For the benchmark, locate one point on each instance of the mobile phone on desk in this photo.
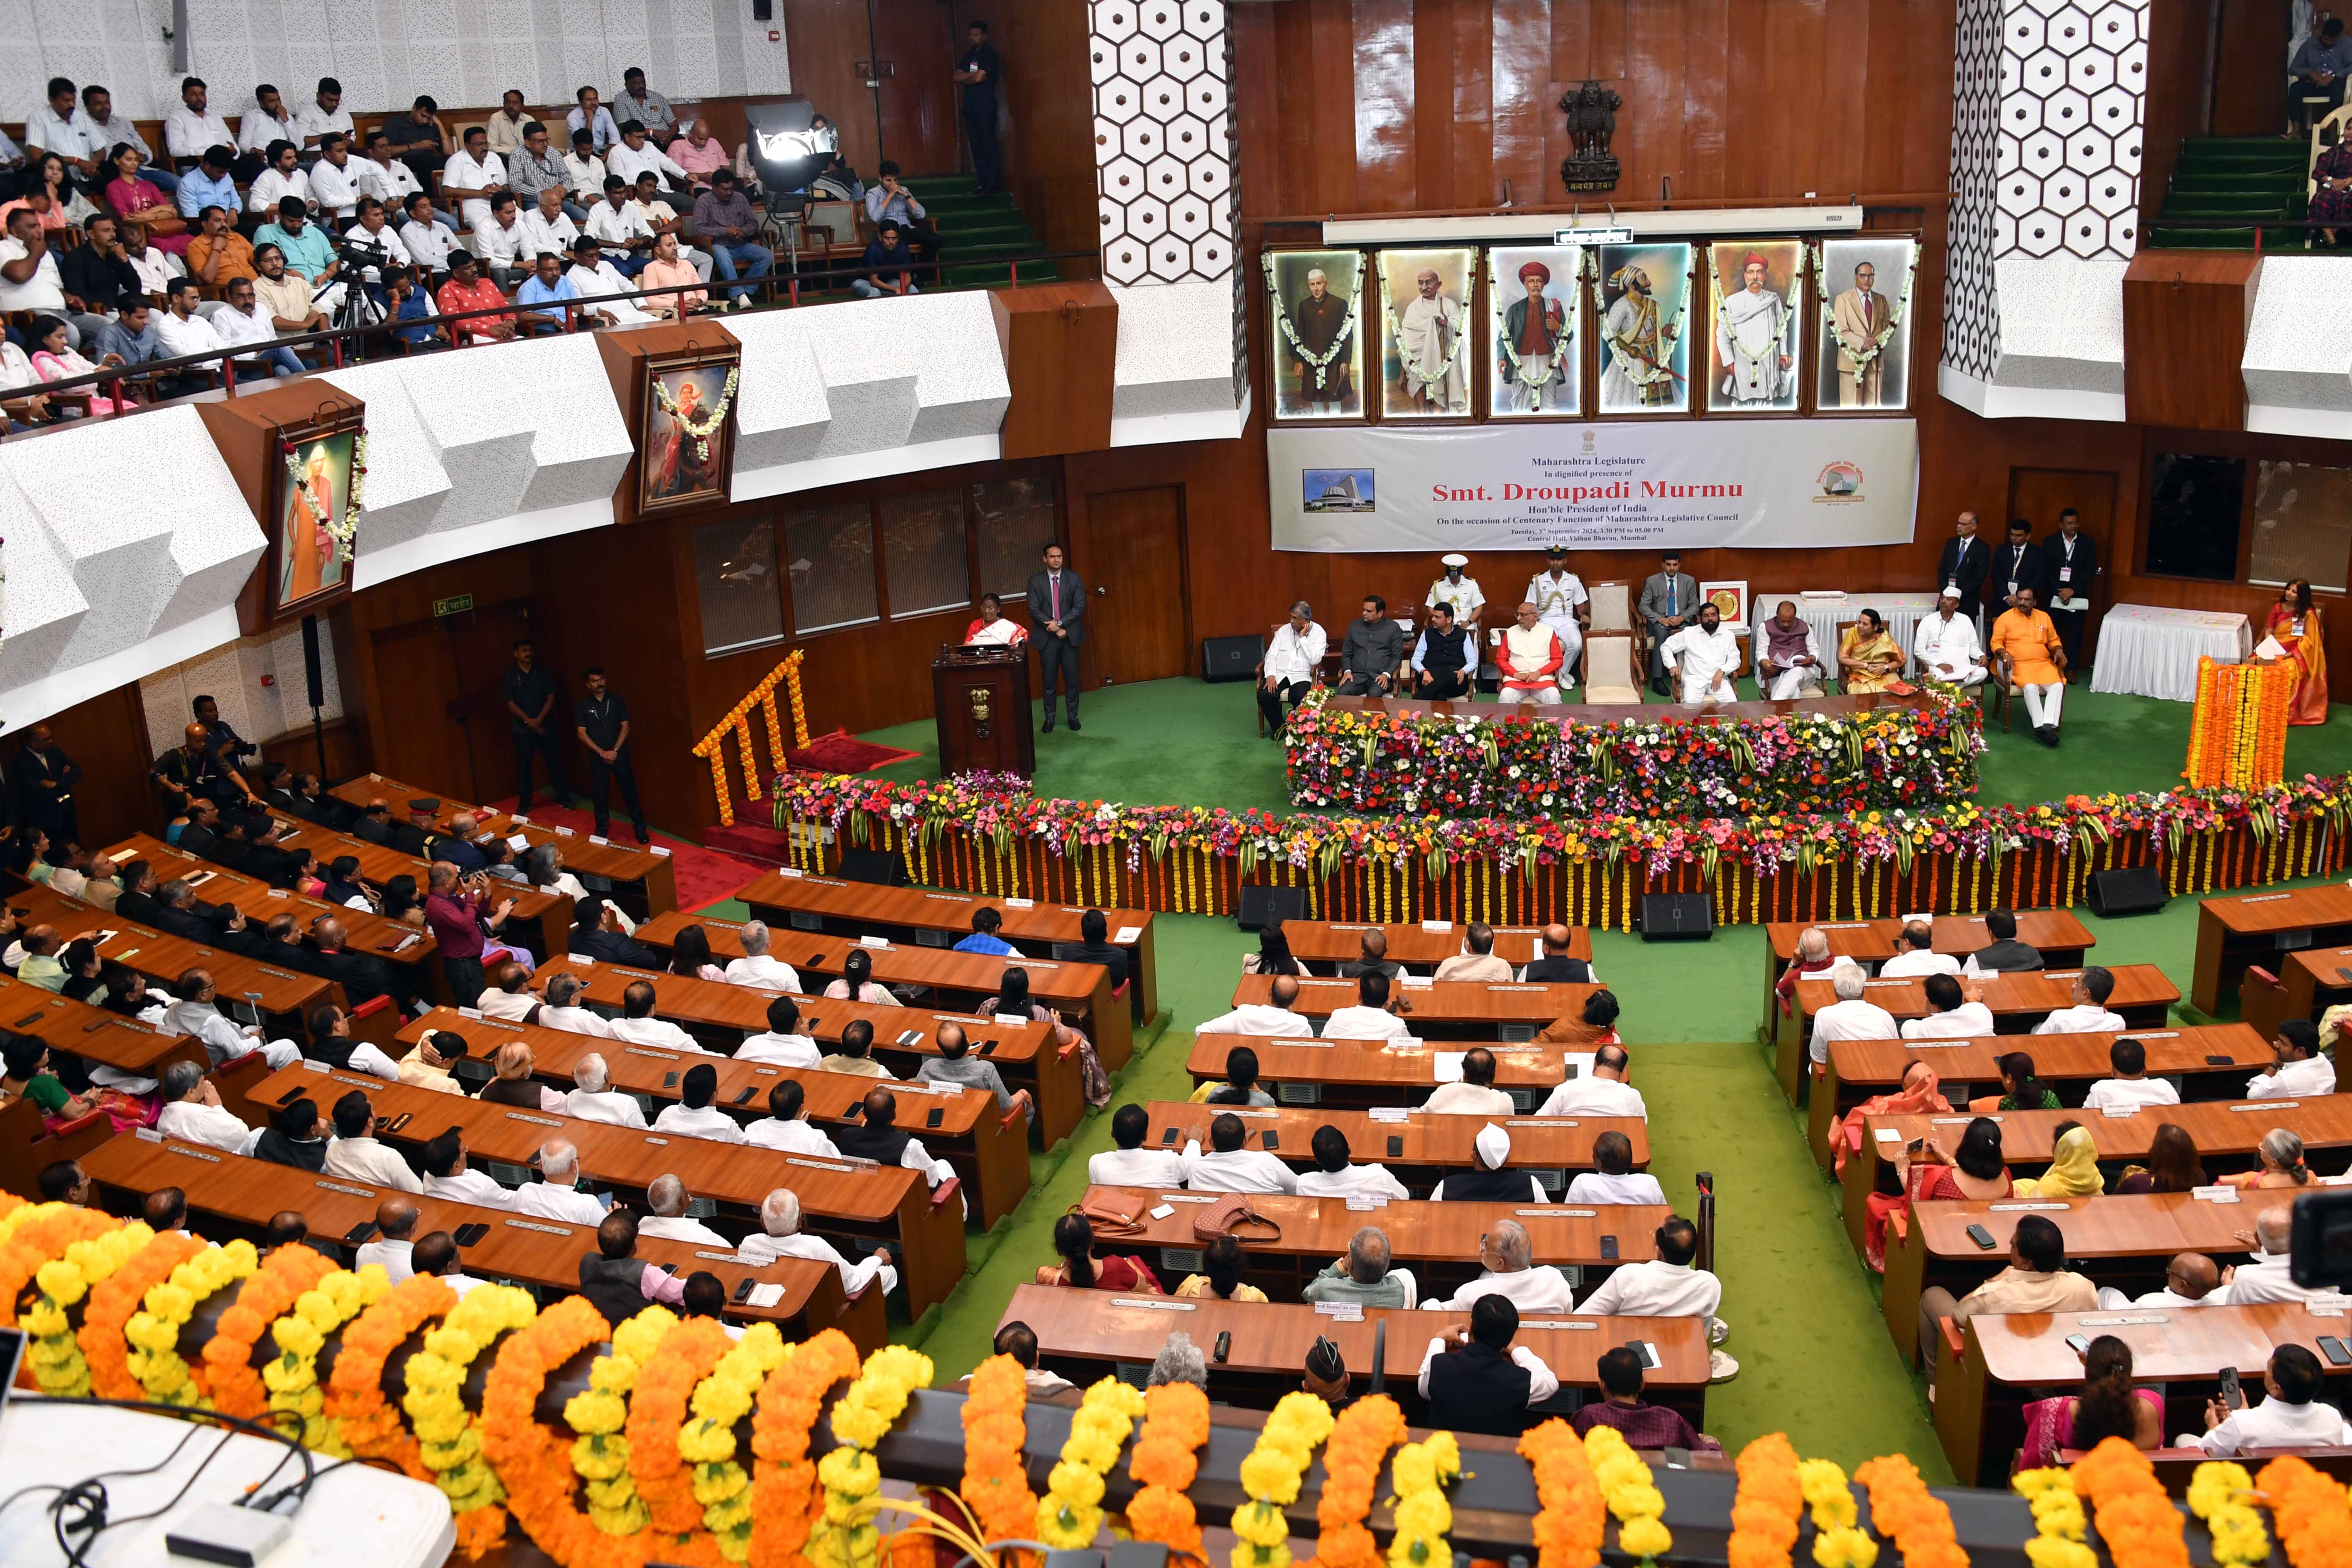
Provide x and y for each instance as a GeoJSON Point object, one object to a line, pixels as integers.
{"type": "Point", "coordinates": [399, 1122]}
{"type": "Point", "coordinates": [670, 1268]}
{"type": "Point", "coordinates": [2333, 1350]}
{"type": "Point", "coordinates": [1224, 1347]}
{"type": "Point", "coordinates": [939, 1115]}
{"type": "Point", "coordinates": [986, 1046]}
{"type": "Point", "coordinates": [1396, 1147]}
{"type": "Point", "coordinates": [743, 1288]}
{"type": "Point", "coordinates": [2234, 1397]}
{"type": "Point", "coordinates": [1912, 1147]}
{"type": "Point", "coordinates": [467, 1235]}
{"type": "Point", "coordinates": [360, 1234]}
{"type": "Point", "coordinates": [744, 1096]}
{"type": "Point", "coordinates": [1273, 1139]}
{"type": "Point", "coordinates": [2217, 1061]}
{"type": "Point", "coordinates": [1981, 1236]}
{"type": "Point", "coordinates": [670, 1080]}
{"type": "Point", "coordinates": [1169, 1137]}
{"type": "Point", "coordinates": [1608, 1249]}
{"type": "Point", "coordinates": [2079, 1343]}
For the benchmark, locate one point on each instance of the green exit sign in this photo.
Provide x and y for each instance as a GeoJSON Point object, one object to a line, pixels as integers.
{"type": "Point", "coordinates": [458, 605]}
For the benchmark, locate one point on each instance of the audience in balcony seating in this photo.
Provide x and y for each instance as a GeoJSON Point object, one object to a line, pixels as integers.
{"type": "Point", "coordinates": [130, 192]}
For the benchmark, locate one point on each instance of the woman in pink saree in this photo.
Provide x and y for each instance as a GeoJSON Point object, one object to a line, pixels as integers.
{"type": "Point", "coordinates": [2108, 1406]}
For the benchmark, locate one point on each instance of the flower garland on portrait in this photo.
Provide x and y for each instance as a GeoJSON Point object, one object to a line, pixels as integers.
{"type": "Point", "coordinates": [707, 425]}
{"type": "Point", "coordinates": [1787, 336]}
{"type": "Point", "coordinates": [1340, 340]}
{"type": "Point", "coordinates": [1551, 367]}
{"type": "Point", "coordinates": [344, 529]}
{"type": "Point", "coordinates": [1393, 316]}
{"type": "Point", "coordinates": [1862, 355]}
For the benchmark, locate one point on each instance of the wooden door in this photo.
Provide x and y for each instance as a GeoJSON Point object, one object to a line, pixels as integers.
{"type": "Point", "coordinates": [1132, 555]}
{"type": "Point", "coordinates": [482, 641]}
{"type": "Point", "coordinates": [917, 43]}
{"type": "Point", "coordinates": [444, 724]}
{"type": "Point", "coordinates": [2039, 495]}
{"type": "Point", "coordinates": [829, 42]}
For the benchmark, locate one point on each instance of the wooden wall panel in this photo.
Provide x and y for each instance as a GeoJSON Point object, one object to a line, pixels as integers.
{"type": "Point", "coordinates": [2250, 83]}
{"type": "Point", "coordinates": [2179, 46]}
{"type": "Point", "coordinates": [1048, 123]}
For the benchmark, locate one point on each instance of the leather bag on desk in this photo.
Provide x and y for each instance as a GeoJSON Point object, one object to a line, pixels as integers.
{"type": "Point", "coordinates": [1108, 1219]}
{"type": "Point", "coordinates": [1228, 1214]}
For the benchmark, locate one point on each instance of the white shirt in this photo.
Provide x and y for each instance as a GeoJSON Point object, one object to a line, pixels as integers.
{"type": "Point", "coordinates": [1362, 1022]}
{"type": "Point", "coordinates": [602, 283]}
{"type": "Point", "coordinates": [469, 1187]}
{"type": "Point", "coordinates": [1592, 1094]}
{"type": "Point", "coordinates": [1296, 655]}
{"type": "Point", "coordinates": [575, 1020]}
{"type": "Point", "coordinates": [392, 1255]}
{"type": "Point", "coordinates": [587, 177]}
{"type": "Point", "coordinates": [508, 1006]}
{"type": "Point", "coordinates": [237, 328]}
{"type": "Point", "coordinates": [1542, 1381]}
{"type": "Point", "coordinates": [794, 1137]}
{"type": "Point", "coordinates": [617, 227]}
{"type": "Point", "coordinates": [1136, 1168]}
{"type": "Point", "coordinates": [608, 1106]}
{"type": "Point", "coordinates": [1355, 1181]}
{"type": "Point", "coordinates": [495, 245]}
{"type": "Point", "coordinates": [366, 1058]}
{"type": "Point", "coordinates": [2121, 1093]}
{"type": "Point", "coordinates": [256, 131]}
{"type": "Point", "coordinates": [464, 172]}
{"type": "Point", "coordinates": [1657, 1289]}
{"type": "Point", "coordinates": [854, 1276]}
{"type": "Point", "coordinates": [707, 1122]}
{"type": "Point", "coordinates": [392, 184]}
{"type": "Point", "coordinates": [780, 1051]}
{"type": "Point", "coordinates": [44, 290]}
{"type": "Point", "coordinates": [678, 1227]}
{"type": "Point", "coordinates": [765, 970]}
{"type": "Point", "coordinates": [1242, 1171]}
{"type": "Point", "coordinates": [546, 1200]}
{"type": "Point", "coordinates": [2266, 1277]}
{"type": "Point", "coordinates": [2275, 1423]}
{"type": "Point", "coordinates": [428, 244]}
{"type": "Point", "coordinates": [174, 336]}
{"type": "Point", "coordinates": [156, 269]}
{"type": "Point", "coordinates": [1854, 1020]}
{"type": "Point", "coordinates": [207, 1124]}
{"type": "Point", "coordinates": [312, 123]}
{"type": "Point", "coordinates": [542, 237]}
{"type": "Point", "coordinates": [336, 188]}
{"type": "Point", "coordinates": [1257, 1018]}
{"type": "Point", "coordinates": [1540, 1288]}
{"type": "Point", "coordinates": [1963, 1021]}
{"type": "Point", "coordinates": [1954, 642]}
{"type": "Point", "coordinates": [652, 1031]}
{"type": "Point", "coordinates": [1916, 961]}
{"type": "Point", "coordinates": [2314, 1075]}
{"type": "Point", "coordinates": [366, 1160]}
{"type": "Point", "coordinates": [187, 133]}
{"type": "Point", "coordinates": [67, 138]}
{"type": "Point", "coordinates": [629, 163]}
{"type": "Point", "coordinates": [1470, 1099]}
{"type": "Point", "coordinates": [271, 186]}
{"type": "Point", "coordinates": [1556, 601]}
{"type": "Point", "coordinates": [1700, 657]}
{"type": "Point", "coordinates": [2089, 1019]}
{"type": "Point", "coordinates": [1635, 1187]}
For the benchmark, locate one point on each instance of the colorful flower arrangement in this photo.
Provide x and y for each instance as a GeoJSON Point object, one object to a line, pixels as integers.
{"type": "Point", "coordinates": [91, 1253]}
{"type": "Point", "coordinates": [1175, 1425]}
{"type": "Point", "coordinates": [1070, 1512]}
{"type": "Point", "coordinates": [449, 1445]}
{"type": "Point", "coordinates": [365, 1419]}
{"type": "Point", "coordinates": [1902, 1510]}
{"type": "Point", "coordinates": [1905, 757]}
{"type": "Point", "coordinates": [1362, 1436]}
{"type": "Point", "coordinates": [995, 1478]}
{"type": "Point", "coordinates": [1423, 1517]}
{"type": "Point", "coordinates": [1769, 1508]}
{"type": "Point", "coordinates": [708, 1441]}
{"type": "Point", "coordinates": [1570, 1516]}
{"type": "Point", "coordinates": [786, 1501]}
{"type": "Point", "coordinates": [1639, 1507]}
{"type": "Point", "coordinates": [2237, 731]}
{"type": "Point", "coordinates": [712, 747]}
{"type": "Point", "coordinates": [1270, 1475]}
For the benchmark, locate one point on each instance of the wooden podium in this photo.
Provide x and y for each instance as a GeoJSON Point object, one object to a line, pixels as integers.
{"type": "Point", "coordinates": [981, 697]}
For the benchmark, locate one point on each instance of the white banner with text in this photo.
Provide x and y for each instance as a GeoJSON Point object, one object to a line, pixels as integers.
{"type": "Point", "coordinates": [1760, 484]}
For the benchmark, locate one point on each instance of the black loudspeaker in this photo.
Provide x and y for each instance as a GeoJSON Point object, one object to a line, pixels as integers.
{"type": "Point", "coordinates": [763, 10]}
{"type": "Point", "coordinates": [1263, 907]}
{"type": "Point", "coordinates": [311, 671]}
{"type": "Point", "coordinates": [2128, 891]}
{"type": "Point", "coordinates": [1671, 916]}
{"type": "Point", "coordinates": [879, 867]}
{"type": "Point", "coordinates": [1230, 659]}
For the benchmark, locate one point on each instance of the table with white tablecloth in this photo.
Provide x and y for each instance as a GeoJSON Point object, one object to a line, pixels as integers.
{"type": "Point", "coordinates": [2148, 651]}
{"type": "Point", "coordinates": [1823, 612]}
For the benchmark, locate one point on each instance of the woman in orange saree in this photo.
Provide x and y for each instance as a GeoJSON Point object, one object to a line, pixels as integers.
{"type": "Point", "coordinates": [2296, 625]}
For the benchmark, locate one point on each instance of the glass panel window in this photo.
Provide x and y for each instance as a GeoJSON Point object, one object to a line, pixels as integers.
{"type": "Point", "coordinates": [1016, 523]}
{"type": "Point", "coordinates": [923, 549]}
{"type": "Point", "coordinates": [829, 560]}
{"type": "Point", "coordinates": [2192, 517]}
{"type": "Point", "coordinates": [735, 580]}
{"type": "Point", "coordinates": [2303, 524]}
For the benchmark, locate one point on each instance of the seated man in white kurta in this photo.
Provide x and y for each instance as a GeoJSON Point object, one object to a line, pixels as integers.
{"type": "Point", "coordinates": [1705, 657]}
{"type": "Point", "coordinates": [1787, 665]}
{"type": "Point", "coordinates": [1531, 661]}
{"type": "Point", "coordinates": [1946, 646]}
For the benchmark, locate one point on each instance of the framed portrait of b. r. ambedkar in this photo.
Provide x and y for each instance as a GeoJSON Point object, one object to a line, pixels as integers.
{"type": "Point", "coordinates": [1756, 289]}
{"type": "Point", "coordinates": [1535, 299]}
{"type": "Point", "coordinates": [1316, 308]}
{"type": "Point", "coordinates": [1865, 345]}
{"type": "Point", "coordinates": [1425, 299]}
{"type": "Point", "coordinates": [1644, 307]}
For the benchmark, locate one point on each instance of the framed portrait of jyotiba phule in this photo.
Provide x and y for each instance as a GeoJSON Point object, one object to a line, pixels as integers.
{"type": "Point", "coordinates": [1535, 296]}
{"type": "Point", "coordinates": [686, 448]}
{"type": "Point", "coordinates": [313, 514]}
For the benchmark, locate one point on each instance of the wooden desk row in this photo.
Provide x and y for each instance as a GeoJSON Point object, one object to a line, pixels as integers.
{"type": "Point", "coordinates": [2069, 1064]}
{"type": "Point", "coordinates": [540, 921]}
{"type": "Point", "coordinates": [1418, 947]}
{"type": "Point", "coordinates": [1362, 1073]}
{"type": "Point", "coordinates": [1438, 1241]}
{"type": "Point", "coordinates": [282, 997]}
{"type": "Point", "coordinates": [2266, 928]}
{"type": "Point", "coordinates": [1463, 1009]}
{"type": "Point", "coordinates": [639, 869]}
{"type": "Point", "coordinates": [1081, 992]}
{"type": "Point", "coordinates": [522, 1250]}
{"type": "Point", "coordinates": [934, 917]}
{"type": "Point", "coordinates": [1083, 1334]}
{"type": "Point", "coordinates": [1427, 1146]}
{"type": "Point", "coordinates": [2143, 996]}
{"type": "Point", "coordinates": [992, 1158]}
{"type": "Point", "coordinates": [843, 1197]}
{"type": "Point", "coordinates": [721, 1014]}
{"type": "Point", "coordinates": [2062, 939]}
{"type": "Point", "coordinates": [2225, 1132]}
{"type": "Point", "coordinates": [97, 1036]}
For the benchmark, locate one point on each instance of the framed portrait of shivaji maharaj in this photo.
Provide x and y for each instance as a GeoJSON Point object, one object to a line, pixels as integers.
{"type": "Point", "coordinates": [1756, 296]}
{"type": "Point", "coordinates": [687, 449]}
{"type": "Point", "coordinates": [1864, 285]}
{"type": "Point", "coordinates": [1425, 356]}
{"type": "Point", "coordinates": [314, 514]}
{"type": "Point", "coordinates": [1535, 305]}
{"type": "Point", "coordinates": [1315, 300]}
{"type": "Point", "coordinates": [1644, 308]}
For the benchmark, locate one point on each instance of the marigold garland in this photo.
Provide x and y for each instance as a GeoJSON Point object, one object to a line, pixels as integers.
{"type": "Point", "coordinates": [658, 1407]}
{"type": "Point", "coordinates": [1175, 1425]}
{"type": "Point", "coordinates": [112, 1304]}
{"type": "Point", "coordinates": [2221, 1493]}
{"type": "Point", "coordinates": [286, 1274]}
{"type": "Point", "coordinates": [2059, 1524]}
{"type": "Point", "coordinates": [1270, 1474]}
{"type": "Point", "coordinates": [1837, 1543]}
{"type": "Point", "coordinates": [1633, 1500]}
{"type": "Point", "coordinates": [529, 1456]}
{"type": "Point", "coordinates": [995, 1478]}
{"type": "Point", "coordinates": [847, 1537]}
{"type": "Point", "coordinates": [708, 1442]}
{"type": "Point", "coordinates": [433, 1395]}
{"type": "Point", "coordinates": [1902, 1510]}
{"type": "Point", "coordinates": [1423, 1515]}
{"type": "Point", "coordinates": [786, 1501]}
{"type": "Point", "coordinates": [1360, 1438]}
{"type": "Point", "coordinates": [354, 1396]}
{"type": "Point", "coordinates": [2135, 1520]}
{"type": "Point", "coordinates": [1769, 1507]}
{"type": "Point", "coordinates": [93, 1248]}
{"type": "Point", "coordinates": [2312, 1516]}
{"type": "Point", "coordinates": [1070, 1512]}
{"type": "Point", "coordinates": [293, 1378]}
{"type": "Point", "coordinates": [1570, 1523]}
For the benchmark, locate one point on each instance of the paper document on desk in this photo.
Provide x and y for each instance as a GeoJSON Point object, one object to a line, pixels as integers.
{"type": "Point", "coordinates": [1126, 934]}
{"type": "Point", "coordinates": [764, 1296]}
{"type": "Point", "coordinates": [2269, 648]}
{"type": "Point", "coordinates": [1445, 1067]}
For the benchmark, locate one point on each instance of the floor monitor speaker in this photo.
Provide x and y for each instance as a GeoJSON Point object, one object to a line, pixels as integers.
{"type": "Point", "coordinates": [2128, 891]}
{"type": "Point", "coordinates": [1230, 659]}
{"type": "Point", "coordinates": [1671, 916]}
{"type": "Point", "coordinates": [879, 867]}
{"type": "Point", "coordinates": [1263, 907]}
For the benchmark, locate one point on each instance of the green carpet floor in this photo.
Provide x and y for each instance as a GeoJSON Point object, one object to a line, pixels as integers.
{"type": "Point", "coordinates": [1815, 1359]}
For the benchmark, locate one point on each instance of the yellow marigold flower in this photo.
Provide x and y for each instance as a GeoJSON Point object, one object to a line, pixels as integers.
{"type": "Point", "coordinates": [1628, 1502]}
{"type": "Point", "coordinates": [1645, 1538]}
{"type": "Point", "coordinates": [600, 1458]}
{"type": "Point", "coordinates": [2050, 1551]}
{"type": "Point", "coordinates": [62, 1282]}
{"type": "Point", "coordinates": [1844, 1546]}
{"type": "Point", "coordinates": [1261, 1522]}
{"type": "Point", "coordinates": [595, 1412]}
{"type": "Point", "coordinates": [1273, 1475]}
{"type": "Point", "coordinates": [851, 1471]}
{"type": "Point", "coordinates": [1075, 1484]}
{"type": "Point", "coordinates": [47, 1321]}
{"type": "Point", "coordinates": [1425, 1513]}
{"type": "Point", "coordinates": [641, 1336]}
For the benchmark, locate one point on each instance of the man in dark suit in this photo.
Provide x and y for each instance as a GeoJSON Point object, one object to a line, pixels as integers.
{"type": "Point", "coordinates": [1963, 565]}
{"type": "Point", "coordinates": [202, 834]}
{"type": "Point", "coordinates": [2004, 955]}
{"type": "Point", "coordinates": [2071, 559]}
{"type": "Point", "coordinates": [44, 777]}
{"type": "Point", "coordinates": [311, 803]}
{"type": "Point", "coordinates": [138, 902]}
{"type": "Point", "coordinates": [363, 978]}
{"type": "Point", "coordinates": [1669, 601]}
{"type": "Point", "coordinates": [1057, 608]}
{"type": "Point", "coordinates": [458, 846]}
{"type": "Point", "coordinates": [265, 859]}
{"type": "Point", "coordinates": [599, 936]}
{"type": "Point", "coordinates": [1555, 966]}
{"type": "Point", "coordinates": [178, 913]}
{"type": "Point", "coordinates": [2018, 566]}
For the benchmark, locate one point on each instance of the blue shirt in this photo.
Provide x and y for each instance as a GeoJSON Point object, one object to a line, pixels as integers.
{"type": "Point", "coordinates": [309, 253]}
{"type": "Point", "coordinates": [900, 207]}
{"type": "Point", "coordinates": [984, 941]}
{"type": "Point", "coordinates": [198, 191]}
{"type": "Point", "coordinates": [413, 309]}
{"type": "Point", "coordinates": [535, 292]}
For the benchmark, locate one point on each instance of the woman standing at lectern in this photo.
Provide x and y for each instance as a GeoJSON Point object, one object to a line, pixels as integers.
{"type": "Point", "coordinates": [992, 629]}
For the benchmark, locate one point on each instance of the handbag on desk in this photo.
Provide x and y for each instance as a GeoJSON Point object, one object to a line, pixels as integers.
{"type": "Point", "coordinates": [1108, 1219]}
{"type": "Point", "coordinates": [1231, 1211]}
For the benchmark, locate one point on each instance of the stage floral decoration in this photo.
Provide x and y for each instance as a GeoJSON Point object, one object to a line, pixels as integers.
{"type": "Point", "coordinates": [1570, 1516]}
{"type": "Point", "coordinates": [1361, 1439]}
{"type": "Point", "coordinates": [285, 1277]}
{"type": "Point", "coordinates": [293, 1378]}
{"type": "Point", "coordinates": [687, 1353]}
{"type": "Point", "coordinates": [1270, 1474]}
{"type": "Point", "coordinates": [2135, 1520]}
{"type": "Point", "coordinates": [1902, 1510]}
{"type": "Point", "coordinates": [92, 1254]}
{"type": "Point", "coordinates": [366, 1420]}
{"type": "Point", "coordinates": [1175, 1425]}
{"type": "Point", "coordinates": [995, 1478]}
{"type": "Point", "coordinates": [2059, 1524]}
{"type": "Point", "coordinates": [704, 427]}
{"type": "Point", "coordinates": [2221, 1494]}
{"type": "Point", "coordinates": [2237, 731]}
{"type": "Point", "coordinates": [447, 1444]}
{"type": "Point", "coordinates": [847, 1537]}
{"type": "Point", "coordinates": [1633, 1500]}
{"type": "Point", "coordinates": [529, 1458]}
{"type": "Point", "coordinates": [712, 747]}
{"type": "Point", "coordinates": [153, 1331]}
{"type": "Point", "coordinates": [786, 1500]}
{"type": "Point", "coordinates": [1423, 1471]}
{"type": "Point", "coordinates": [1768, 1510]}
{"type": "Point", "coordinates": [1837, 1541]}
{"type": "Point", "coordinates": [707, 1440]}
{"type": "Point", "coordinates": [1070, 1513]}
{"type": "Point", "coordinates": [601, 1452]}
{"type": "Point", "coordinates": [2314, 1523]}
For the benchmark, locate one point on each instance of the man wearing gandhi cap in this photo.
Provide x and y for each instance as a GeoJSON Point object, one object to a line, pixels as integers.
{"type": "Point", "coordinates": [1533, 341]}
{"type": "Point", "coordinates": [1490, 1184]}
{"type": "Point", "coordinates": [1457, 592]}
{"type": "Point", "coordinates": [1751, 340]}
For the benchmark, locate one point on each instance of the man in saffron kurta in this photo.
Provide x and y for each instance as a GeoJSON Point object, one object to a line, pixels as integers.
{"type": "Point", "coordinates": [2027, 653]}
{"type": "Point", "coordinates": [1532, 656]}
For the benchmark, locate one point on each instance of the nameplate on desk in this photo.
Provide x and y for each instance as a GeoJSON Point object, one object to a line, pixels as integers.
{"type": "Point", "coordinates": [1895, 981]}
{"type": "Point", "coordinates": [1958, 1120]}
{"type": "Point", "coordinates": [1020, 903]}
{"type": "Point", "coordinates": [470, 1012]}
{"type": "Point", "coordinates": [1536, 988]}
{"type": "Point", "coordinates": [763, 1072]}
{"type": "Point", "coordinates": [2265, 899]}
{"type": "Point", "coordinates": [580, 959]}
{"type": "Point", "coordinates": [1126, 934]}
{"type": "Point", "coordinates": [1341, 1311]}
{"type": "Point", "coordinates": [2062, 973]}
{"type": "Point", "coordinates": [1542, 1122]}
{"type": "Point", "coordinates": [792, 872]}
{"type": "Point", "coordinates": [641, 1051]}
{"type": "Point", "coordinates": [1361, 1205]}
{"type": "Point", "coordinates": [1914, 1044]}
{"type": "Point", "coordinates": [1555, 1323]}
{"type": "Point", "coordinates": [598, 839]}
{"type": "Point", "coordinates": [820, 1165]}
{"type": "Point", "coordinates": [1394, 1113]}
{"type": "Point", "coordinates": [1155, 1305]}
{"type": "Point", "coordinates": [2032, 1208]}
{"type": "Point", "coordinates": [659, 1143]}
{"type": "Point", "coordinates": [882, 943]}
{"type": "Point", "coordinates": [278, 893]}
{"type": "Point", "coordinates": [196, 1153]}
{"type": "Point", "coordinates": [147, 1134]}
{"type": "Point", "coordinates": [542, 1229]}
{"type": "Point", "coordinates": [1186, 1198]}
{"type": "Point", "coordinates": [1437, 928]}
{"type": "Point", "coordinates": [2108, 1323]}
{"type": "Point", "coordinates": [2270, 1105]}
{"type": "Point", "coordinates": [2216, 1194]}
{"type": "Point", "coordinates": [279, 974]}
{"type": "Point", "coordinates": [2120, 1112]}
{"type": "Point", "coordinates": [1159, 1211]}
{"type": "Point", "coordinates": [339, 1187]}
{"type": "Point", "coordinates": [2317, 1310]}
{"type": "Point", "coordinates": [563, 832]}
{"type": "Point", "coordinates": [1418, 981]}
{"type": "Point", "coordinates": [534, 1121]}
{"type": "Point", "coordinates": [1887, 1135]}
{"type": "Point", "coordinates": [950, 897]}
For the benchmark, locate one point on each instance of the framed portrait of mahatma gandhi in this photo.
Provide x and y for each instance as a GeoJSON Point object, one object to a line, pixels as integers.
{"type": "Point", "coordinates": [1535, 301]}
{"type": "Point", "coordinates": [1426, 299]}
{"type": "Point", "coordinates": [1315, 301]}
{"type": "Point", "coordinates": [1645, 351]}
{"type": "Point", "coordinates": [1755, 291]}
{"type": "Point", "coordinates": [1865, 346]}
